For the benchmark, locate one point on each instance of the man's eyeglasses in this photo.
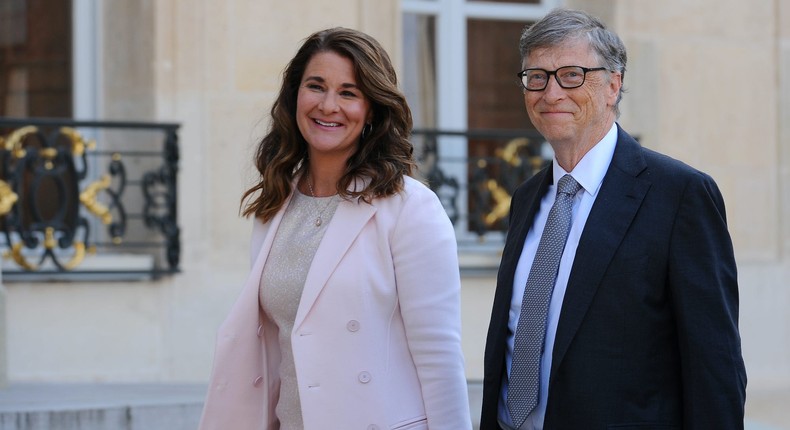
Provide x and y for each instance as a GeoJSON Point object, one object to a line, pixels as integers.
{"type": "Point", "coordinates": [568, 77]}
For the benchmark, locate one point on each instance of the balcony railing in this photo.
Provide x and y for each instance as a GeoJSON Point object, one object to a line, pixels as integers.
{"type": "Point", "coordinates": [88, 199]}
{"type": "Point", "coordinates": [475, 172]}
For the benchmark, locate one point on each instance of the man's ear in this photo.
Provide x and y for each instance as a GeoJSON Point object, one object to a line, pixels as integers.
{"type": "Point", "coordinates": [615, 84]}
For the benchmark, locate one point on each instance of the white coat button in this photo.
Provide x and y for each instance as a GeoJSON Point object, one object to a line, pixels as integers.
{"type": "Point", "coordinates": [353, 325]}
{"type": "Point", "coordinates": [258, 381]}
{"type": "Point", "coordinates": [260, 329]}
{"type": "Point", "coordinates": [364, 377]}
{"type": "Point", "coordinates": [373, 427]}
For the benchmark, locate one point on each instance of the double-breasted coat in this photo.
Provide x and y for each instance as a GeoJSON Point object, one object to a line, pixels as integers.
{"type": "Point", "coordinates": [377, 336]}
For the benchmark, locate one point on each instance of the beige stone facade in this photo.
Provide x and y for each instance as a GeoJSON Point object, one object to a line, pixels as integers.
{"type": "Point", "coordinates": [708, 82]}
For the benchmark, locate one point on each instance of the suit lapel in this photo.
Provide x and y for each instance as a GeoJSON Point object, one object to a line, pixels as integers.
{"type": "Point", "coordinates": [344, 228]}
{"type": "Point", "coordinates": [615, 207]}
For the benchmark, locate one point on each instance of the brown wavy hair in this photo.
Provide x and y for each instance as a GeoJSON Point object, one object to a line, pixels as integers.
{"type": "Point", "coordinates": [382, 157]}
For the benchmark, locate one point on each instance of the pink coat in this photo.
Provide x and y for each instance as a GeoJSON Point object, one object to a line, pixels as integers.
{"type": "Point", "coordinates": [377, 336]}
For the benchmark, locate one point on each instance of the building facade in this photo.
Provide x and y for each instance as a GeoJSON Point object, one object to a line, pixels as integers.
{"type": "Point", "coordinates": [707, 82]}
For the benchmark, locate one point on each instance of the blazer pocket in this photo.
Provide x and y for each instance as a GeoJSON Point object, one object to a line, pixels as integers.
{"type": "Point", "coordinates": [418, 423]}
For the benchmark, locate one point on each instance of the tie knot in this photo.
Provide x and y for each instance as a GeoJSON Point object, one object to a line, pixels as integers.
{"type": "Point", "coordinates": [568, 185]}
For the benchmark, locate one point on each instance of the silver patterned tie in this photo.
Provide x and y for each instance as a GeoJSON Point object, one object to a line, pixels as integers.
{"type": "Point", "coordinates": [524, 381]}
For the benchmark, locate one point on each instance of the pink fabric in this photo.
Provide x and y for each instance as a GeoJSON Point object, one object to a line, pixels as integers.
{"type": "Point", "coordinates": [376, 339]}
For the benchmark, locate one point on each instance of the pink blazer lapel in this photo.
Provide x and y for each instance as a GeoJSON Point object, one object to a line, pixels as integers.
{"type": "Point", "coordinates": [344, 228]}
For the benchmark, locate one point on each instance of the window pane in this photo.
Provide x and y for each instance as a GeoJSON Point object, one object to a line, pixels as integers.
{"type": "Point", "coordinates": [35, 58]}
{"type": "Point", "coordinates": [495, 98]}
{"type": "Point", "coordinates": [419, 68]}
{"type": "Point", "coordinates": [495, 101]}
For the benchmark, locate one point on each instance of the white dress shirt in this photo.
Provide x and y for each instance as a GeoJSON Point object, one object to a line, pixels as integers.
{"type": "Point", "coordinates": [589, 173]}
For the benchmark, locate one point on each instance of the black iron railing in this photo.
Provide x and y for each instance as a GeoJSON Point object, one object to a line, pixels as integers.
{"type": "Point", "coordinates": [82, 199]}
{"type": "Point", "coordinates": [475, 172]}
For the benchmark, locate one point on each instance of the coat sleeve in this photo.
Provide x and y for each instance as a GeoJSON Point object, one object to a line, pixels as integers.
{"type": "Point", "coordinates": [425, 259]}
{"type": "Point", "coordinates": [704, 288]}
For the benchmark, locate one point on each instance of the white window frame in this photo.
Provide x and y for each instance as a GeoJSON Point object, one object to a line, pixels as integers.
{"type": "Point", "coordinates": [87, 58]}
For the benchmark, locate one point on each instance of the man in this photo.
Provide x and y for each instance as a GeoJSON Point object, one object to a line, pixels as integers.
{"type": "Point", "coordinates": [640, 328]}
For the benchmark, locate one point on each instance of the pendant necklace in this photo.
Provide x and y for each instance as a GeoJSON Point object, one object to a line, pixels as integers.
{"type": "Point", "coordinates": [318, 220]}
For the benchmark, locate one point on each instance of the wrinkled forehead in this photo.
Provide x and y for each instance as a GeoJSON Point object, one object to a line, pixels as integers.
{"type": "Point", "coordinates": [575, 51]}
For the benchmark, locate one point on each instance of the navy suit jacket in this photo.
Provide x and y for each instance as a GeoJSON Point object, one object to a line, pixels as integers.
{"type": "Point", "coordinates": [648, 332]}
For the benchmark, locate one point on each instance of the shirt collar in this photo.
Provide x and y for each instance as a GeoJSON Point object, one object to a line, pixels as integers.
{"type": "Point", "coordinates": [591, 169]}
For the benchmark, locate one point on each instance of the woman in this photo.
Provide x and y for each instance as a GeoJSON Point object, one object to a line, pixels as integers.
{"type": "Point", "coordinates": [350, 317]}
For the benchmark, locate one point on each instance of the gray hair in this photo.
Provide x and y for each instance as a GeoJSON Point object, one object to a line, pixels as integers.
{"type": "Point", "coordinates": [561, 25]}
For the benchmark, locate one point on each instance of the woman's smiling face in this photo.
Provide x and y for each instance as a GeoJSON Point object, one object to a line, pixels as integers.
{"type": "Point", "coordinates": [330, 108]}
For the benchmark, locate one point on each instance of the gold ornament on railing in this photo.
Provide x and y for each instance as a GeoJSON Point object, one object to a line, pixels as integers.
{"type": "Point", "coordinates": [15, 146]}
{"type": "Point", "coordinates": [78, 143]}
{"type": "Point", "coordinates": [501, 206]}
{"type": "Point", "coordinates": [88, 199]}
{"type": "Point", "coordinates": [8, 198]}
{"type": "Point", "coordinates": [510, 152]}
{"type": "Point", "coordinates": [49, 244]}
{"type": "Point", "coordinates": [500, 196]}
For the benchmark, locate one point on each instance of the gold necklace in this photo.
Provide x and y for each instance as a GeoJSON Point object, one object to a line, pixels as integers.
{"type": "Point", "coordinates": [319, 220]}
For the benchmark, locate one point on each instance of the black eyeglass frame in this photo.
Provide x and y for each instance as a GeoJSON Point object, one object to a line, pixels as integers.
{"type": "Point", "coordinates": [523, 73]}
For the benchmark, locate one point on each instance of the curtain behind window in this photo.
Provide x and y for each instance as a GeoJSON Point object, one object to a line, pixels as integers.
{"type": "Point", "coordinates": [35, 58]}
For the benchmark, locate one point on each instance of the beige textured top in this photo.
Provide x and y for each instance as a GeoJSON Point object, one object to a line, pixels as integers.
{"type": "Point", "coordinates": [282, 283]}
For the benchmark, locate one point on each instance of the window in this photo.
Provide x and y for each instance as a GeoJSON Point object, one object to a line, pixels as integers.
{"type": "Point", "coordinates": [49, 62]}
{"type": "Point", "coordinates": [459, 64]}
{"type": "Point", "coordinates": [70, 187]}
{"type": "Point", "coordinates": [35, 58]}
